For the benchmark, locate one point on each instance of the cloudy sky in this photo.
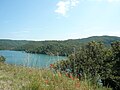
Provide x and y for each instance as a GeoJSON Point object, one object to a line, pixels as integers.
{"type": "Point", "coordinates": [58, 19]}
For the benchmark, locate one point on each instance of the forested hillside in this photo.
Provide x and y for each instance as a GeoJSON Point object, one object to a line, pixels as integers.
{"type": "Point", "coordinates": [63, 48]}
{"type": "Point", "coordinates": [6, 44]}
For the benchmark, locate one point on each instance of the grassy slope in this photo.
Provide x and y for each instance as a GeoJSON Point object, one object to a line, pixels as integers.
{"type": "Point", "coordinates": [22, 78]}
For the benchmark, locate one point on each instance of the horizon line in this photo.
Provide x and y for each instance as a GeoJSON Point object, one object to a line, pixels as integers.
{"type": "Point", "coordinates": [56, 39]}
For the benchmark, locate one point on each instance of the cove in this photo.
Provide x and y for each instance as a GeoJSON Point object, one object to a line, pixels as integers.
{"type": "Point", "coordinates": [30, 60]}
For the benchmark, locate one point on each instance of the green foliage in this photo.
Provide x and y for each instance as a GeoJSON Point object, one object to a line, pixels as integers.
{"type": "Point", "coordinates": [95, 62]}
{"type": "Point", "coordinates": [86, 57]}
{"type": "Point", "coordinates": [2, 59]}
{"type": "Point", "coordinates": [63, 48]}
{"type": "Point", "coordinates": [11, 44]}
{"type": "Point", "coordinates": [116, 58]}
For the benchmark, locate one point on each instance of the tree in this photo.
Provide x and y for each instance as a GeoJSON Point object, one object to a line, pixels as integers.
{"type": "Point", "coordinates": [92, 60]}
{"type": "Point", "coordinates": [116, 68]}
{"type": "Point", "coordinates": [116, 56]}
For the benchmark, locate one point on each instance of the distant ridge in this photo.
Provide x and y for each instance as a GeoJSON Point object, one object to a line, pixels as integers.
{"type": "Point", "coordinates": [53, 46]}
{"type": "Point", "coordinates": [105, 39]}
{"type": "Point", "coordinates": [91, 37]}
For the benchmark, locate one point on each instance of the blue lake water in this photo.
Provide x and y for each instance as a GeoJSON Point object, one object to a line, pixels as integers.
{"type": "Point", "coordinates": [28, 59]}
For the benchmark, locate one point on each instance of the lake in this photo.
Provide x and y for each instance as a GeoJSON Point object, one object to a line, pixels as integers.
{"type": "Point", "coordinates": [28, 59]}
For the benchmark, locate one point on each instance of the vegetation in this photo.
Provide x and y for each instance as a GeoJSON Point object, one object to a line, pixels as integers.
{"type": "Point", "coordinates": [2, 59]}
{"type": "Point", "coordinates": [23, 78]}
{"type": "Point", "coordinates": [95, 62]}
{"type": "Point", "coordinates": [63, 48]}
{"type": "Point", "coordinates": [11, 44]}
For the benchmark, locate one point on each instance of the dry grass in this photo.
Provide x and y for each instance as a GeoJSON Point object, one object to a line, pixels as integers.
{"type": "Point", "coordinates": [23, 78]}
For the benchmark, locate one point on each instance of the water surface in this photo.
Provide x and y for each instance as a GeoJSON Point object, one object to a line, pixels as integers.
{"type": "Point", "coordinates": [28, 59]}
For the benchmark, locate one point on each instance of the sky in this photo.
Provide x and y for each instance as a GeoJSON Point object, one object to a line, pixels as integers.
{"type": "Point", "coordinates": [58, 19]}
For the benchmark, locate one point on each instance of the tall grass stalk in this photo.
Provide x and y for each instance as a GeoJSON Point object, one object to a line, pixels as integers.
{"type": "Point", "coordinates": [24, 78]}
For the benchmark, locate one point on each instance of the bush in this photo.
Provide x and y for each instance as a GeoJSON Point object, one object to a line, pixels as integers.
{"type": "Point", "coordinates": [96, 63]}
{"type": "Point", "coordinates": [2, 59]}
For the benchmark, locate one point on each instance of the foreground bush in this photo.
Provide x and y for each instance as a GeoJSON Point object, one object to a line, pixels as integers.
{"type": "Point", "coordinates": [96, 62]}
{"type": "Point", "coordinates": [2, 59]}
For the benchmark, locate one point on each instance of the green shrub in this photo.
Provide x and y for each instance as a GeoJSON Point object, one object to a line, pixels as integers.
{"type": "Point", "coordinates": [2, 59]}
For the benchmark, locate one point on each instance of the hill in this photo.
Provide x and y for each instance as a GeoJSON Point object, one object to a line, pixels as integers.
{"type": "Point", "coordinates": [6, 44]}
{"type": "Point", "coordinates": [63, 48]}
{"type": "Point", "coordinates": [107, 40]}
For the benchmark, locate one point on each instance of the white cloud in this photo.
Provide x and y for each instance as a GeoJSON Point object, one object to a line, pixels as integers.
{"type": "Point", "coordinates": [74, 2]}
{"type": "Point", "coordinates": [63, 6]}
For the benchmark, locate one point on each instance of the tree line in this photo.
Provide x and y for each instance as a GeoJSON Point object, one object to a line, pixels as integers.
{"type": "Point", "coordinates": [62, 48]}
